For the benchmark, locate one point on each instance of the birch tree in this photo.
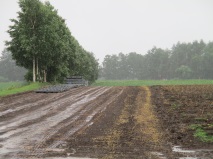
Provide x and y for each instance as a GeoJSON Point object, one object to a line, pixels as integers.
{"type": "Point", "coordinates": [40, 41]}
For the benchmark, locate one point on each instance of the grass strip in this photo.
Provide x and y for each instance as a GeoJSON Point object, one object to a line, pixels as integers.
{"type": "Point", "coordinates": [29, 87]}
{"type": "Point", "coordinates": [11, 85]}
{"type": "Point", "coordinates": [150, 82]}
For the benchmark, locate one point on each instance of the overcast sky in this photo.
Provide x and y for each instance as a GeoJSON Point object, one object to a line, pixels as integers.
{"type": "Point", "coordinates": [114, 26]}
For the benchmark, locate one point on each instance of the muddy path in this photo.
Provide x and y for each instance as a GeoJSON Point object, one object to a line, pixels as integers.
{"type": "Point", "coordinates": [34, 124]}
{"type": "Point", "coordinates": [105, 123]}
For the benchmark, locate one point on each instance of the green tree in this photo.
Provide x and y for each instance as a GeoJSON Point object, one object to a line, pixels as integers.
{"type": "Point", "coordinates": [207, 62]}
{"type": "Point", "coordinates": [111, 67]}
{"type": "Point", "coordinates": [136, 66]}
{"type": "Point", "coordinates": [41, 41]}
{"type": "Point", "coordinates": [157, 61]}
{"type": "Point", "coordinates": [188, 54]}
{"type": "Point", "coordinates": [184, 72]}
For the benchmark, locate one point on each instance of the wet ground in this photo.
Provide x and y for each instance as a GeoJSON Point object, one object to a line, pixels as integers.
{"type": "Point", "coordinates": [103, 122]}
{"type": "Point", "coordinates": [181, 108]}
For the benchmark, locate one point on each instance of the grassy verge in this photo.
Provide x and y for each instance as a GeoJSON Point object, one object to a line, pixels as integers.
{"type": "Point", "coordinates": [150, 82]}
{"type": "Point", "coordinates": [11, 85]}
{"type": "Point", "coordinates": [14, 90]}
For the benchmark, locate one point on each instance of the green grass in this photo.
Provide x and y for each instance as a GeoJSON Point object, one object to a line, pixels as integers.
{"type": "Point", "coordinates": [150, 82]}
{"type": "Point", "coordinates": [11, 85]}
{"type": "Point", "coordinates": [11, 89]}
{"type": "Point", "coordinates": [201, 134]}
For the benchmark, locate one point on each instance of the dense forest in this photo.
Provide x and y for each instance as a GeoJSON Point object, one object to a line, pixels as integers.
{"type": "Point", "coordinates": [183, 61]}
{"type": "Point", "coordinates": [43, 44]}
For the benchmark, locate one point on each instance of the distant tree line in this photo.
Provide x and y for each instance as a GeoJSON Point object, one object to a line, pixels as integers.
{"type": "Point", "coordinates": [183, 61]}
{"type": "Point", "coordinates": [42, 43]}
{"type": "Point", "coordinates": [9, 71]}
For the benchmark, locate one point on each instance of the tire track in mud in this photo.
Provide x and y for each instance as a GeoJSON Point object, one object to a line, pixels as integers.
{"type": "Point", "coordinates": [41, 110]}
{"type": "Point", "coordinates": [79, 108]}
{"type": "Point", "coordinates": [31, 133]}
{"type": "Point", "coordinates": [77, 122]}
{"type": "Point", "coordinates": [36, 101]}
{"type": "Point", "coordinates": [44, 110]}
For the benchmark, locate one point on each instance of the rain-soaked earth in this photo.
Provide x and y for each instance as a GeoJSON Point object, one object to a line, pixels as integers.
{"type": "Point", "coordinates": [107, 122]}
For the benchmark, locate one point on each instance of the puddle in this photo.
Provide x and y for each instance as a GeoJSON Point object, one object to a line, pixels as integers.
{"type": "Point", "coordinates": [193, 153]}
{"type": "Point", "coordinates": [159, 155]}
{"type": "Point", "coordinates": [68, 158]}
{"type": "Point", "coordinates": [180, 150]}
{"type": "Point", "coordinates": [189, 158]}
{"type": "Point", "coordinates": [58, 158]}
{"type": "Point", "coordinates": [187, 153]}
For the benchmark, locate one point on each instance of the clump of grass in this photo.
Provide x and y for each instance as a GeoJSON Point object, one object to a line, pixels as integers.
{"type": "Point", "coordinates": [201, 134]}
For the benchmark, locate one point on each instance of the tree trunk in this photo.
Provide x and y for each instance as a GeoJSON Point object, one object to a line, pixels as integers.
{"type": "Point", "coordinates": [45, 76]}
{"type": "Point", "coordinates": [34, 75]}
{"type": "Point", "coordinates": [37, 73]}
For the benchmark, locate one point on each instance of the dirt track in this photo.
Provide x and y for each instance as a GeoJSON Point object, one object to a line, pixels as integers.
{"type": "Point", "coordinates": [99, 122]}
{"type": "Point", "coordinates": [29, 121]}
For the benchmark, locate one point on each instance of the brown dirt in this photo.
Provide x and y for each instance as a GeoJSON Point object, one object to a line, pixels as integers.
{"type": "Point", "coordinates": [104, 122]}
{"type": "Point", "coordinates": [180, 107]}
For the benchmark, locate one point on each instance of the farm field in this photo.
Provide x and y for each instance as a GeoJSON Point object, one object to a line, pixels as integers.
{"type": "Point", "coordinates": [119, 122]}
{"type": "Point", "coordinates": [150, 82]}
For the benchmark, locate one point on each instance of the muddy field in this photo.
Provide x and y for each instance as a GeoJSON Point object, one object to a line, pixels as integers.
{"type": "Point", "coordinates": [108, 123]}
{"type": "Point", "coordinates": [181, 110]}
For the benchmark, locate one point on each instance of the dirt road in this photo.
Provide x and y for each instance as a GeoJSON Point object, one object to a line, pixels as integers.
{"type": "Point", "coordinates": [30, 123]}
{"type": "Point", "coordinates": [95, 122]}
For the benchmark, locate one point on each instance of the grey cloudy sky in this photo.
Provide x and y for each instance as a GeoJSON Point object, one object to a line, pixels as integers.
{"type": "Point", "coordinates": [114, 26]}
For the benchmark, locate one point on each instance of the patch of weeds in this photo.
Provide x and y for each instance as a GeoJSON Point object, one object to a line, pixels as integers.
{"type": "Point", "coordinates": [200, 133]}
{"type": "Point", "coordinates": [195, 126]}
{"type": "Point", "coordinates": [203, 136]}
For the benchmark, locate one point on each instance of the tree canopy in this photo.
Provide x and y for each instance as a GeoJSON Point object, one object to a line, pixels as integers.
{"type": "Point", "coordinates": [42, 43]}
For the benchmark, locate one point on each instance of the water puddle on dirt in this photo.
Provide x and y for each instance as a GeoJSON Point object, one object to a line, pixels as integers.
{"type": "Point", "coordinates": [180, 150]}
{"type": "Point", "coordinates": [189, 158]}
{"type": "Point", "coordinates": [193, 154]}
{"type": "Point", "coordinates": [66, 158]}
{"type": "Point", "coordinates": [187, 153]}
{"type": "Point", "coordinates": [159, 155]}
{"type": "Point", "coordinates": [60, 158]}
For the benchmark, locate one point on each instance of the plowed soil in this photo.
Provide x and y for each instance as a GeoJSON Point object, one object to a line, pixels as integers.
{"type": "Point", "coordinates": [181, 107]}
{"type": "Point", "coordinates": [105, 122]}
